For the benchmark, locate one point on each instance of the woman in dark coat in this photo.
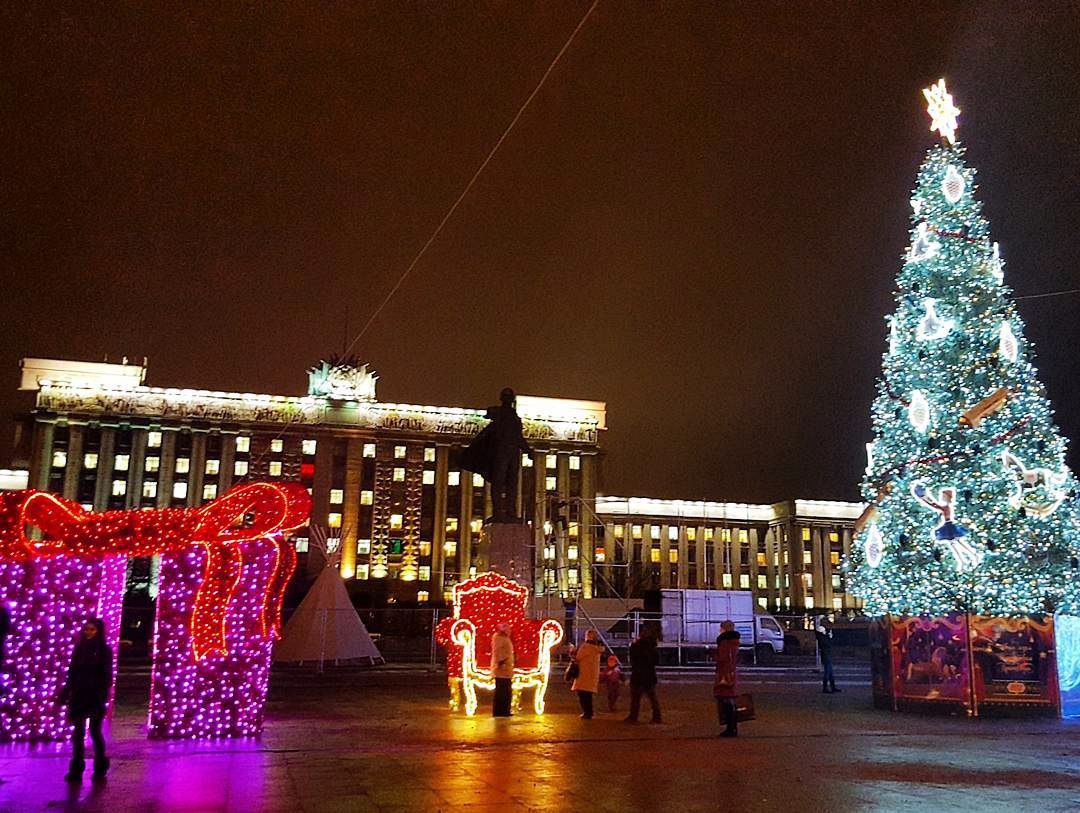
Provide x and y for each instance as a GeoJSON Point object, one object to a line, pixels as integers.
{"type": "Point", "coordinates": [725, 688]}
{"type": "Point", "coordinates": [86, 694]}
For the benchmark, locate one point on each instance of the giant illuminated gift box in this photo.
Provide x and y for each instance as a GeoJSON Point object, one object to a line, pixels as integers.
{"type": "Point", "coordinates": [225, 568]}
{"type": "Point", "coordinates": [481, 604]}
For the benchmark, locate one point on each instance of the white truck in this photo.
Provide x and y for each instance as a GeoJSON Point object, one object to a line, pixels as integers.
{"type": "Point", "coordinates": [691, 619]}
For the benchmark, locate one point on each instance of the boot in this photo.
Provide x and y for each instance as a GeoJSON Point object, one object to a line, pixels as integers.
{"type": "Point", "coordinates": [101, 767]}
{"type": "Point", "coordinates": [75, 771]}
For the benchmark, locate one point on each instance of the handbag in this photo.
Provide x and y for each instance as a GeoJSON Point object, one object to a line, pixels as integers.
{"type": "Point", "coordinates": [572, 672]}
{"type": "Point", "coordinates": [744, 707]}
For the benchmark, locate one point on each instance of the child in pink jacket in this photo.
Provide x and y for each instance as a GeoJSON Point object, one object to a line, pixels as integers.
{"type": "Point", "coordinates": [613, 679]}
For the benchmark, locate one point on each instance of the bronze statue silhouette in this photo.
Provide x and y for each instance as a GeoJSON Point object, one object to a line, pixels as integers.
{"type": "Point", "coordinates": [495, 454]}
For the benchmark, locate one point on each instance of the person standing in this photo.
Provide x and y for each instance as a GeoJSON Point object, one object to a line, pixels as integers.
{"type": "Point", "coordinates": [502, 669]}
{"type": "Point", "coordinates": [86, 694]}
{"type": "Point", "coordinates": [644, 659]}
{"type": "Point", "coordinates": [587, 657]}
{"type": "Point", "coordinates": [824, 647]}
{"type": "Point", "coordinates": [612, 678]}
{"type": "Point", "coordinates": [725, 687]}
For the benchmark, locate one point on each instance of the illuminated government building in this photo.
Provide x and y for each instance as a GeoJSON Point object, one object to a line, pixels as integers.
{"type": "Point", "coordinates": [387, 490]}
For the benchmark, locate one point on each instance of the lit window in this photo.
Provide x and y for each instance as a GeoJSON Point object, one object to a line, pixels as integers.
{"type": "Point", "coordinates": [598, 555]}
{"type": "Point", "coordinates": [240, 468]}
{"type": "Point", "coordinates": [119, 488]}
{"type": "Point", "coordinates": [183, 465]}
{"type": "Point", "coordinates": [575, 462]}
{"type": "Point", "coordinates": [549, 484]}
{"type": "Point", "coordinates": [243, 443]}
{"type": "Point", "coordinates": [572, 577]}
{"type": "Point", "coordinates": [549, 551]}
{"type": "Point", "coordinates": [572, 553]}
{"type": "Point", "coordinates": [691, 534]}
{"type": "Point", "coordinates": [399, 452]}
{"type": "Point", "coordinates": [673, 533]}
{"type": "Point", "coordinates": [727, 580]}
{"type": "Point", "coordinates": [806, 534]}
{"type": "Point", "coordinates": [834, 536]}
{"type": "Point", "coordinates": [472, 571]}
{"type": "Point", "coordinates": [275, 468]}
{"type": "Point", "coordinates": [761, 560]}
{"type": "Point", "coordinates": [90, 460]}
{"type": "Point", "coordinates": [744, 535]}
{"type": "Point", "coordinates": [807, 557]}
{"type": "Point", "coordinates": [152, 463]}
{"type": "Point", "coordinates": [838, 603]}
{"type": "Point", "coordinates": [302, 544]}
{"type": "Point", "coordinates": [836, 581]}
{"type": "Point", "coordinates": [551, 460]}
{"type": "Point", "coordinates": [429, 454]}
{"type": "Point", "coordinates": [454, 478]}
{"type": "Point", "coordinates": [635, 531]}
{"type": "Point", "coordinates": [153, 439]}
{"type": "Point", "coordinates": [367, 497]}
{"type": "Point", "coordinates": [424, 573]}
{"type": "Point", "coordinates": [654, 531]}
{"type": "Point", "coordinates": [276, 445]}
{"type": "Point", "coordinates": [337, 496]}
{"type": "Point", "coordinates": [362, 571]}
{"type": "Point", "coordinates": [763, 603]}
{"type": "Point", "coordinates": [526, 461]}
{"type": "Point", "coordinates": [450, 547]}
{"type": "Point", "coordinates": [369, 450]}
{"type": "Point", "coordinates": [451, 524]}
{"type": "Point", "coordinates": [149, 489]}
{"type": "Point", "coordinates": [422, 596]}
{"type": "Point", "coordinates": [834, 557]}
{"type": "Point", "coordinates": [428, 477]}
{"type": "Point", "coordinates": [809, 581]}
{"type": "Point", "coordinates": [120, 462]}
{"type": "Point", "coordinates": [476, 525]}
{"type": "Point", "coordinates": [209, 491]}
{"type": "Point", "coordinates": [399, 474]}
{"type": "Point", "coordinates": [213, 466]}
{"type": "Point", "coordinates": [725, 534]}
{"type": "Point", "coordinates": [396, 521]}
{"type": "Point", "coordinates": [179, 490]}
{"type": "Point", "coordinates": [809, 602]}
{"type": "Point", "coordinates": [59, 459]}
{"type": "Point", "coordinates": [333, 519]}
{"type": "Point", "coordinates": [654, 554]}
{"type": "Point", "coordinates": [572, 529]}
{"type": "Point", "coordinates": [425, 548]}
{"type": "Point", "coordinates": [363, 546]}
{"type": "Point", "coordinates": [709, 533]}
{"type": "Point", "coordinates": [477, 480]}
{"type": "Point", "coordinates": [762, 581]}
{"type": "Point", "coordinates": [619, 530]}
{"type": "Point", "coordinates": [308, 446]}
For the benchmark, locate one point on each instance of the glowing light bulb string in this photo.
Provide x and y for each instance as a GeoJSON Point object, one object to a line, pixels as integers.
{"type": "Point", "coordinates": [473, 179]}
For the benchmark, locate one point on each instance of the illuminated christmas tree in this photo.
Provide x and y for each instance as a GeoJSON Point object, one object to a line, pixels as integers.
{"type": "Point", "coordinates": [970, 505]}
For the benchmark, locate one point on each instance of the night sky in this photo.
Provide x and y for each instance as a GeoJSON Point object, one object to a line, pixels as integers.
{"type": "Point", "coordinates": [699, 219]}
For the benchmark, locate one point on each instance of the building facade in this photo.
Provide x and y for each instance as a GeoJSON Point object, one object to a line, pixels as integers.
{"type": "Point", "coordinates": [383, 478]}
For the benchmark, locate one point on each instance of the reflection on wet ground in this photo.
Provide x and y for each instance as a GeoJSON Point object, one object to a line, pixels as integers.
{"type": "Point", "coordinates": [384, 741]}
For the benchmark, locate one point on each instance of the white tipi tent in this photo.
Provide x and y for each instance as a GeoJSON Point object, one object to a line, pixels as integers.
{"type": "Point", "coordinates": [325, 627]}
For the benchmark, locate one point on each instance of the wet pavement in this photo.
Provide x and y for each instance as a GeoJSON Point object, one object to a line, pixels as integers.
{"type": "Point", "coordinates": [384, 740]}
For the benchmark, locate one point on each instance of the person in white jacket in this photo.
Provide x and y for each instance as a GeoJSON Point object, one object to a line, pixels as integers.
{"type": "Point", "coordinates": [502, 669]}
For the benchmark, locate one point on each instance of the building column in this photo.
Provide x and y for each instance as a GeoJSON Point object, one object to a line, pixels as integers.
{"type": "Point", "coordinates": [136, 467]}
{"type": "Point", "coordinates": [228, 462]}
{"type": "Point", "coordinates": [350, 515]}
{"type": "Point", "coordinates": [464, 548]}
{"type": "Point", "coordinates": [665, 558]}
{"type": "Point", "coordinates": [586, 537]}
{"type": "Point", "coordinates": [41, 456]}
{"type": "Point", "coordinates": [74, 460]}
{"type": "Point", "coordinates": [166, 468]}
{"type": "Point", "coordinates": [197, 470]}
{"type": "Point", "coordinates": [684, 565]}
{"type": "Point", "coordinates": [539, 517]}
{"type": "Point", "coordinates": [438, 527]}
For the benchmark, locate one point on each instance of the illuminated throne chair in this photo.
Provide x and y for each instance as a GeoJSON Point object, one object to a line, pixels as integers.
{"type": "Point", "coordinates": [481, 604]}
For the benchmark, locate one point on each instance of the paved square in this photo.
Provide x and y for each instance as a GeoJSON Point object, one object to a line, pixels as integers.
{"type": "Point", "coordinates": [383, 740]}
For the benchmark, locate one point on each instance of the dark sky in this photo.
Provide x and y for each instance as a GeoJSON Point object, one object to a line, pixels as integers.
{"type": "Point", "coordinates": [698, 220]}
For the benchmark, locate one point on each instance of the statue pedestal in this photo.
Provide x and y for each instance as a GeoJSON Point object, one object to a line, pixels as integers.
{"type": "Point", "coordinates": [507, 549]}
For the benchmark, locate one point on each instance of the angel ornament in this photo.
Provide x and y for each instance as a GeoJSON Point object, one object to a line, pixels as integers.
{"type": "Point", "coordinates": [949, 534]}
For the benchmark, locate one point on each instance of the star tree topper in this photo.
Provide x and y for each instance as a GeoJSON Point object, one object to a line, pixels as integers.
{"type": "Point", "coordinates": [943, 112]}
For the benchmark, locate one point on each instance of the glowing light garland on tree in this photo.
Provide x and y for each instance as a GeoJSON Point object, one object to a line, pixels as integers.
{"type": "Point", "coordinates": [226, 568]}
{"type": "Point", "coordinates": [480, 605]}
{"type": "Point", "coordinates": [975, 439]}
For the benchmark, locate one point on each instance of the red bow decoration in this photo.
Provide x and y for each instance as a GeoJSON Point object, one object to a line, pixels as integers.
{"type": "Point", "coordinates": [247, 512]}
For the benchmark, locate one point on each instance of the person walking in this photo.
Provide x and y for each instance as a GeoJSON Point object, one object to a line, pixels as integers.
{"type": "Point", "coordinates": [725, 687]}
{"type": "Point", "coordinates": [502, 669]}
{"type": "Point", "coordinates": [86, 694]}
{"type": "Point", "coordinates": [612, 678]}
{"type": "Point", "coordinates": [587, 658]}
{"type": "Point", "coordinates": [643, 662]}
{"type": "Point", "coordinates": [824, 648]}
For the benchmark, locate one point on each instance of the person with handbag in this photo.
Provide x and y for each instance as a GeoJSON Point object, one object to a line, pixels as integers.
{"type": "Point", "coordinates": [502, 669]}
{"type": "Point", "coordinates": [725, 687]}
{"type": "Point", "coordinates": [587, 681]}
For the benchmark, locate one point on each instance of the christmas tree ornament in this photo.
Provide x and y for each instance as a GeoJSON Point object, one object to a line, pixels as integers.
{"type": "Point", "coordinates": [1038, 492]}
{"type": "Point", "coordinates": [932, 327]}
{"type": "Point", "coordinates": [874, 546]}
{"type": "Point", "coordinates": [919, 411]}
{"type": "Point", "coordinates": [997, 271]}
{"type": "Point", "coordinates": [987, 406]}
{"type": "Point", "coordinates": [943, 113]}
{"type": "Point", "coordinates": [952, 185]}
{"type": "Point", "coordinates": [924, 247]}
{"type": "Point", "coordinates": [1007, 345]}
{"type": "Point", "coordinates": [948, 533]}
